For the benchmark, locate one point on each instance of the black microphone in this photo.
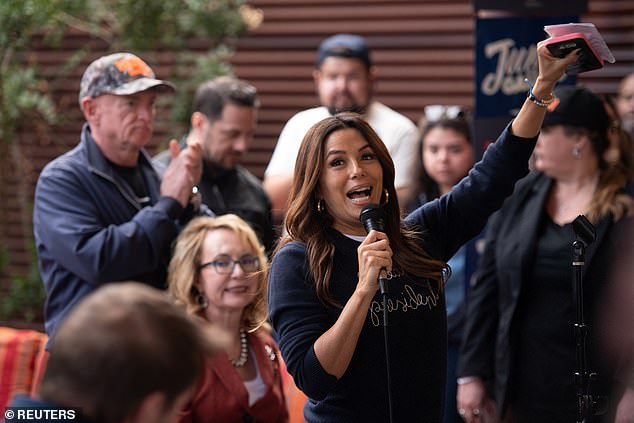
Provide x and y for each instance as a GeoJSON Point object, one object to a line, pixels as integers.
{"type": "Point", "coordinates": [373, 218]}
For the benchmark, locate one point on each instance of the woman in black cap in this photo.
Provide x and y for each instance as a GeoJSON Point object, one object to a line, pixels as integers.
{"type": "Point", "coordinates": [519, 337]}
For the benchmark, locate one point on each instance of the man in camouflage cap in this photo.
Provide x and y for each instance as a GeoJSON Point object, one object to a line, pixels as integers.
{"type": "Point", "coordinates": [119, 74]}
{"type": "Point", "coordinates": [101, 213]}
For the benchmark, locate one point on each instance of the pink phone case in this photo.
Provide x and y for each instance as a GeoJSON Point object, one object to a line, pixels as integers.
{"type": "Point", "coordinates": [588, 58]}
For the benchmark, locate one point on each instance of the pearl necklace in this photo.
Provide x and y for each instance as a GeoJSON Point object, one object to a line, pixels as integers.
{"type": "Point", "coordinates": [244, 351]}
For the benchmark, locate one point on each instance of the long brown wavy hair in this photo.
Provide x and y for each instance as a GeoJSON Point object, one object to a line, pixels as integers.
{"type": "Point", "coordinates": [304, 223]}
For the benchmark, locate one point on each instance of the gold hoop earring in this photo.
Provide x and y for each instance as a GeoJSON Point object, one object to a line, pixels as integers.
{"type": "Point", "coordinates": [387, 197]}
{"type": "Point", "coordinates": [320, 208]}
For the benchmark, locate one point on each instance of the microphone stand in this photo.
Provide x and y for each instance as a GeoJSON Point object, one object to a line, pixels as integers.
{"type": "Point", "coordinates": [586, 404]}
{"type": "Point", "coordinates": [383, 290]}
{"type": "Point", "coordinates": [372, 216]}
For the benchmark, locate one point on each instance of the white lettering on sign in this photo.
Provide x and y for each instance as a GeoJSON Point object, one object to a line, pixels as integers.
{"type": "Point", "coordinates": [513, 65]}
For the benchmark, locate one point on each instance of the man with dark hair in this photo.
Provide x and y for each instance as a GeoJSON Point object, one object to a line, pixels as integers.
{"type": "Point", "coordinates": [344, 76]}
{"type": "Point", "coordinates": [223, 121]}
{"type": "Point", "coordinates": [126, 353]}
{"type": "Point", "coordinates": [101, 214]}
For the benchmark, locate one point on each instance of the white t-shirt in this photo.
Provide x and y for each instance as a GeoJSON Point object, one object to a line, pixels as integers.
{"type": "Point", "coordinates": [256, 388]}
{"type": "Point", "coordinates": [398, 133]}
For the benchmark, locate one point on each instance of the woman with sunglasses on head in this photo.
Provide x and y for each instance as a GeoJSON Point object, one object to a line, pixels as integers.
{"type": "Point", "coordinates": [217, 273]}
{"type": "Point", "coordinates": [324, 303]}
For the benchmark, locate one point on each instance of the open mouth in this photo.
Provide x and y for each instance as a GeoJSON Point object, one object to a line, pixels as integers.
{"type": "Point", "coordinates": [360, 195]}
{"type": "Point", "coordinates": [238, 289]}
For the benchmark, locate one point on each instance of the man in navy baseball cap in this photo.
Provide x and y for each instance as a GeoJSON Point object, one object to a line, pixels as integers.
{"type": "Point", "coordinates": [344, 45]}
{"type": "Point", "coordinates": [345, 77]}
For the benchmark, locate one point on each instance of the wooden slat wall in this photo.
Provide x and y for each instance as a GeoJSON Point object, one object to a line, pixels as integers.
{"type": "Point", "coordinates": [423, 51]}
{"type": "Point", "coordinates": [615, 21]}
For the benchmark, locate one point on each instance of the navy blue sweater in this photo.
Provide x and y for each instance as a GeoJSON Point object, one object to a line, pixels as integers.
{"type": "Point", "coordinates": [417, 317]}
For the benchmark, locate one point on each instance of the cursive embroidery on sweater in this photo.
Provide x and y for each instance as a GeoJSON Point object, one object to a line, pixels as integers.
{"type": "Point", "coordinates": [407, 300]}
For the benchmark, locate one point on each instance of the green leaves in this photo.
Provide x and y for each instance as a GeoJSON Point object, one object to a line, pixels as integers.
{"type": "Point", "coordinates": [149, 24]}
{"type": "Point", "coordinates": [22, 20]}
{"type": "Point", "coordinates": [24, 300]}
{"type": "Point", "coordinates": [147, 27]}
{"type": "Point", "coordinates": [24, 97]}
{"type": "Point", "coordinates": [127, 25]}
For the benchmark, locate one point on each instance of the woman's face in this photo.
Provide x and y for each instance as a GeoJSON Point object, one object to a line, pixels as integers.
{"type": "Point", "coordinates": [351, 178]}
{"type": "Point", "coordinates": [553, 151]}
{"type": "Point", "coordinates": [447, 156]}
{"type": "Point", "coordinates": [235, 287]}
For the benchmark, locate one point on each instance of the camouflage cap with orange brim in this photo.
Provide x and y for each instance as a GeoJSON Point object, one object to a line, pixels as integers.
{"type": "Point", "coordinates": [119, 74]}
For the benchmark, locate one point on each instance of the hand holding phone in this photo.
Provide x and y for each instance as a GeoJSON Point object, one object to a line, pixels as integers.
{"type": "Point", "coordinates": [588, 59]}
{"type": "Point", "coordinates": [584, 36]}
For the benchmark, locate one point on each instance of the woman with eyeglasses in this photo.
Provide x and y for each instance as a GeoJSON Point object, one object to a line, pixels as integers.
{"type": "Point", "coordinates": [217, 273]}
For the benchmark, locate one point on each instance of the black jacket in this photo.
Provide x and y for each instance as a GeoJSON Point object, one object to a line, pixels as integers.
{"type": "Point", "coordinates": [235, 191]}
{"type": "Point", "coordinates": [489, 343]}
{"type": "Point", "coordinates": [91, 229]}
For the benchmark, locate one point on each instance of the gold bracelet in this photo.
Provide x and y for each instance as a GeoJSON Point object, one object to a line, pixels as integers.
{"type": "Point", "coordinates": [538, 101]}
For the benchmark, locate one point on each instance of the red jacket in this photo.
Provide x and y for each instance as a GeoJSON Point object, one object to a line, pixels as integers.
{"type": "Point", "coordinates": [222, 396]}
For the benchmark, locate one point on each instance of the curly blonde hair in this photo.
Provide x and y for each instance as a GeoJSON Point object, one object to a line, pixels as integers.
{"type": "Point", "coordinates": [184, 267]}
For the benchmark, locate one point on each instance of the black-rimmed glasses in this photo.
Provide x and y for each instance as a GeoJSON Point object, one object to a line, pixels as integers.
{"type": "Point", "coordinates": [224, 264]}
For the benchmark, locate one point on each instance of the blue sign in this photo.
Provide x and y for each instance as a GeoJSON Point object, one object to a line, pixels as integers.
{"type": "Point", "coordinates": [533, 7]}
{"type": "Point", "coordinates": [506, 53]}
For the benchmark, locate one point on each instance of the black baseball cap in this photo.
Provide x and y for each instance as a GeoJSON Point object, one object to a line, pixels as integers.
{"type": "Point", "coordinates": [577, 106]}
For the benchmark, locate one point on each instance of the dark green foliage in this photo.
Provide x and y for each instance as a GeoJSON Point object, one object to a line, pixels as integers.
{"type": "Point", "coordinates": [144, 27]}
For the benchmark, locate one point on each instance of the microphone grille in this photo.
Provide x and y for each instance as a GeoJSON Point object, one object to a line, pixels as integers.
{"type": "Point", "coordinates": [373, 217]}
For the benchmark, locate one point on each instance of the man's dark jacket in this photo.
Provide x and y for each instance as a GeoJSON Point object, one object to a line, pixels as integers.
{"type": "Point", "coordinates": [91, 229]}
{"type": "Point", "coordinates": [235, 191]}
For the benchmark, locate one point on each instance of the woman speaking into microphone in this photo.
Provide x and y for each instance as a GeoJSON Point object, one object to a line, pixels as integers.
{"type": "Point", "coordinates": [324, 303]}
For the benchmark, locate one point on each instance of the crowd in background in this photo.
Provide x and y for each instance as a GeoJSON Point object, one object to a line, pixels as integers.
{"type": "Point", "coordinates": [481, 298]}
